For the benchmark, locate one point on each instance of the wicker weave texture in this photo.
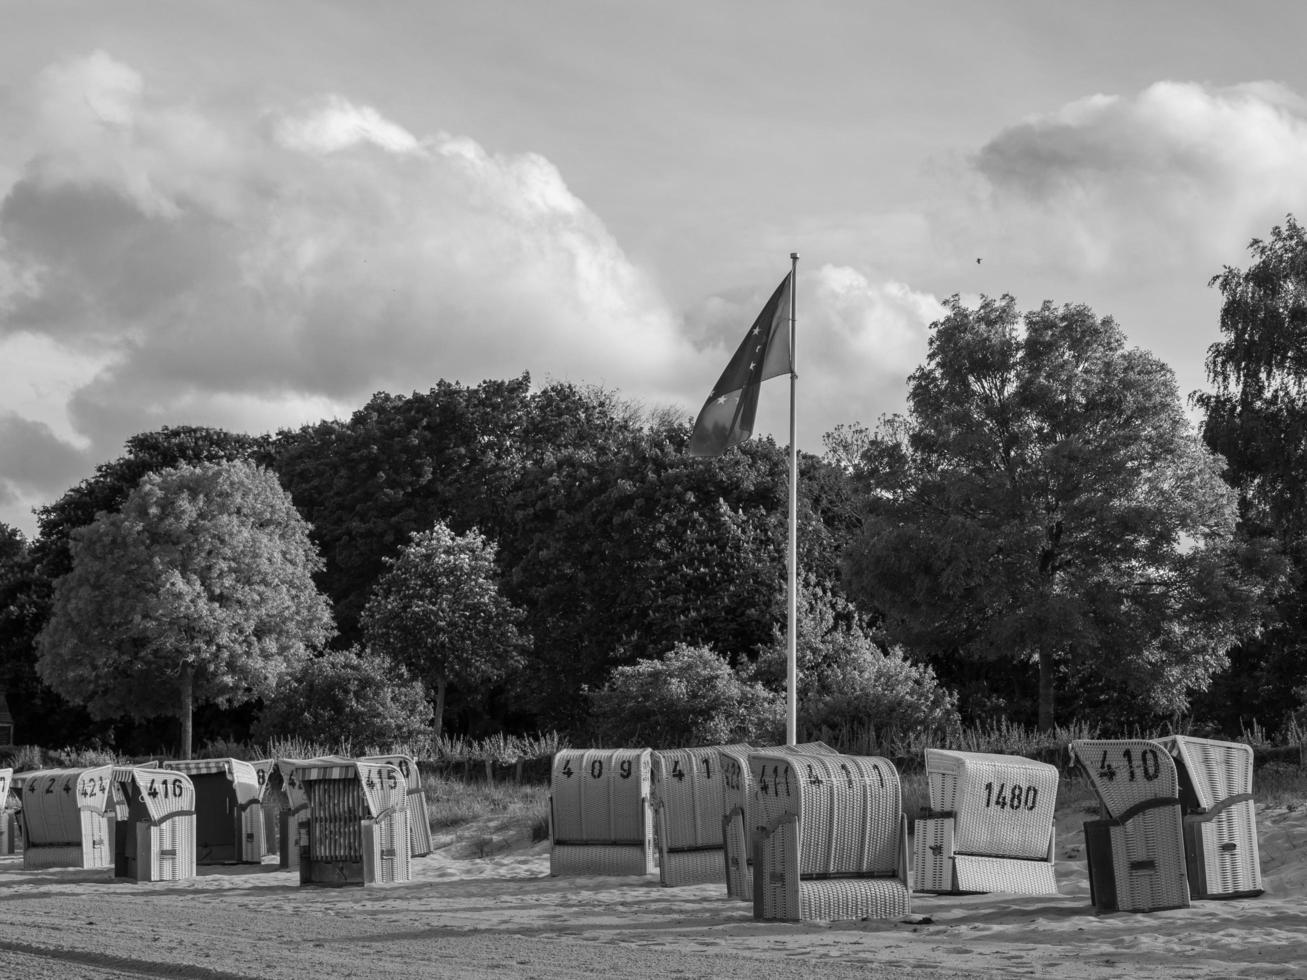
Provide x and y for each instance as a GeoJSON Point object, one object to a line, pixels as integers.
{"type": "Point", "coordinates": [833, 838]}
{"type": "Point", "coordinates": [166, 851]}
{"type": "Point", "coordinates": [1003, 803]}
{"type": "Point", "coordinates": [1017, 876]}
{"type": "Point", "coordinates": [419, 820]}
{"type": "Point", "coordinates": [932, 854]}
{"type": "Point", "coordinates": [600, 859]}
{"type": "Point", "coordinates": [686, 786]}
{"type": "Point", "coordinates": [601, 795]}
{"type": "Point", "coordinates": [739, 805]}
{"type": "Point", "coordinates": [387, 857]}
{"type": "Point", "coordinates": [600, 817]}
{"type": "Point", "coordinates": [1227, 860]}
{"type": "Point", "coordinates": [1148, 862]}
{"type": "Point", "coordinates": [1213, 770]}
{"type": "Point", "coordinates": [678, 869]}
{"type": "Point", "coordinates": [1127, 772]}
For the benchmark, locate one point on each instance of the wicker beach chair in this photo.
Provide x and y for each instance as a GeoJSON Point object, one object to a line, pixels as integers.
{"type": "Point", "coordinates": [284, 788]}
{"type": "Point", "coordinates": [1220, 818]}
{"type": "Point", "coordinates": [600, 819]}
{"type": "Point", "coordinates": [740, 811]}
{"type": "Point", "coordinates": [67, 819]}
{"type": "Point", "coordinates": [687, 806]}
{"type": "Point", "coordinates": [833, 840]}
{"type": "Point", "coordinates": [419, 818]}
{"type": "Point", "coordinates": [989, 827]}
{"type": "Point", "coordinates": [357, 827]}
{"type": "Point", "coordinates": [8, 825]}
{"type": "Point", "coordinates": [1136, 855]}
{"type": "Point", "coordinates": [154, 826]}
{"type": "Point", "coordinates": [229, 822]}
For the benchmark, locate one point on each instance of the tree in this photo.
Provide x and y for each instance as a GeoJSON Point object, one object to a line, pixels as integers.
{"type": "Point", "coordinates": [623, 548]}
{"type": "Point", "coordinates": [347, 694]}
{"type": "Point", "coordinates": [198, 589]}
{"type": "Point", "coordinates": [438, 610]}
{"type": "Point", "coordinates": [1045, 500]}
{"type": "Point", "coordinates": [689, 696]}
{"type": "Point", "coordinates": [1256, 417]}
{"type": "Point", "coordinates": [853, 691]}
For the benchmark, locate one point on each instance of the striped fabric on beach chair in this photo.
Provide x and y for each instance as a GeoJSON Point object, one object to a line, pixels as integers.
{"type": "Point", "coordinates": [833, 840]}
{"type": "Point", "coordinates": [1220, 818]}
{"type": "Point", "coordinates": [600, 819]}
{"type": "Point", "coordinates": [740, 812]}
{"type": "Point", "coordinates": [1136, 855]}
{"type": "Point", "coordinates": [687, 807]}
{"type": "Point", "coordinates": [989, 827]}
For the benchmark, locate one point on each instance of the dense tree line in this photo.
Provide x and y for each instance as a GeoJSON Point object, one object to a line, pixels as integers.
{"type": "Point", "coordinates": [1041, 531]}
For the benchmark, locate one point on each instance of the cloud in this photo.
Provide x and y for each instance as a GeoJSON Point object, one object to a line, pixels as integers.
{"type": "Point", "coordinates": [1177, 175]}
{"type": "Point", "coordinates": [34, 462]}
{"type": "Point", "coordinates": [201, 263]}
{"type": "Point", "coordinates": [219, 267]}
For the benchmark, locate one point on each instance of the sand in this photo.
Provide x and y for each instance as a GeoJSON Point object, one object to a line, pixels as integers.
{"type": "Point", "coordinates": [483, 905]}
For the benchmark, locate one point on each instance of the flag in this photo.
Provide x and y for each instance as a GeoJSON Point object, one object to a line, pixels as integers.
{"type": "Point", "coordinates": [726, 418]}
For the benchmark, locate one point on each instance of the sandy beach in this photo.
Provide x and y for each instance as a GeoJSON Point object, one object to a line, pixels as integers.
{"type": "Point", "coordinates": [484, 905]}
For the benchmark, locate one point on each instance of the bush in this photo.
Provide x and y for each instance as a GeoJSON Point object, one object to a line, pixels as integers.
{"type": "Point", "coordinates": [344, 694]}
{"type": "Point", "coordinates": [853, 693]}
{"type": "Point", "coordinates": [690, 696]}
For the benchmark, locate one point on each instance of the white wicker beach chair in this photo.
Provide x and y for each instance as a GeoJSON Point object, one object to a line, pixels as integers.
{"type": "Point", "coordinates": [687, 806]}
{"type": "Point", "coordinates": [154, 827]}
{"type": "Point", "coordinates": [229, 823]}
{"type": "Point", "coordinates": [357, 831]}
{"type": "Point", "coordinates": [740, 811]}
{"type": "Point", "coordinates": [600, 818]}
{"type": "Point", "coordinates": [419, 818]}
{"type": "Point", "coordinates": [64, 818]}
{"type": "Point", "coordinates": [1136, 855]}
{"type": "Point", "coordinates": [989, 827]}
{"type": "Point", "coordinates": [833, 840]}
{"type": "Point", "coordinates": [1220, 817]}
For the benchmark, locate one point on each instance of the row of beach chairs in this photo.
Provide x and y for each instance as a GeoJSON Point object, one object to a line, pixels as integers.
{"type": "Point", "coordinates": [335, 819]}
{"type": "Point", "coordinates": [806, 833]}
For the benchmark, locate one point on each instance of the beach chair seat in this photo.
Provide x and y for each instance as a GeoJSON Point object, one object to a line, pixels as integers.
{"type": "Point", "coordinates": [989, 826]}
{"type": "Point", "coordinates": [832, 841]}
{"type": "Point", "coordinates": [1220, 817]}
{"type": "Point", "coordinates": [686, 795]}
{"type": "Point", "coordinates": [600, 816]}
{"type": "Point", "coordinates": [739, 811]}
{"type": "Point", "coordinates": [1136, 854]}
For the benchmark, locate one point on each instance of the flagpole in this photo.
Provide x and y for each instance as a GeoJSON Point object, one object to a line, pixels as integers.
{"type": "Point", "coordinates": [792, 632]}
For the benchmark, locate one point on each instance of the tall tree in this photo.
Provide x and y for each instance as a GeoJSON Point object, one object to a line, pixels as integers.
{"type": "Point", "coordinates": [438, 611]}
{"type": "Point", "coordinates": [1256, 417]}
{"type": "Point", "coordinates": [1046, 502]}
{"type": "Point", "coordinates": [199, 588]}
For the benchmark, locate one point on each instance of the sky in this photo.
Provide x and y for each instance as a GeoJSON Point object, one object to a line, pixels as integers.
{"type": "Point", "coordinates": [255, 215]}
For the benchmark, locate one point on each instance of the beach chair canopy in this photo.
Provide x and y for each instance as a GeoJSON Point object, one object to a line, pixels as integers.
{"type": "Point", "coordinates": [241, 775]}
{"type": "Point", "coordinates": [384, 789]}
